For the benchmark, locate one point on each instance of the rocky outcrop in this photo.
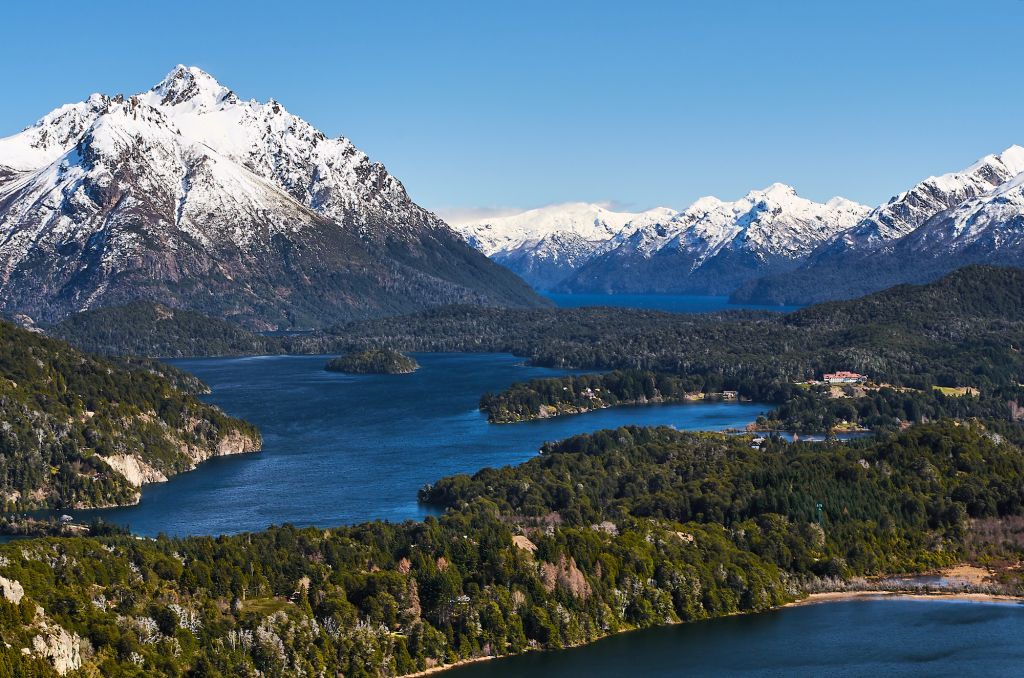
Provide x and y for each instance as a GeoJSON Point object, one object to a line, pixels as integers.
{"type": "Point", "coordinates": [138, 472]}
{"type": "Point", "coordinates": [134, 469]}
{"type": "Point", "coordinates": [61, 648]}
{"type": "Point", "coordinates": [237, 442]}
{"type": "Point", "coordinates": [11, 590]}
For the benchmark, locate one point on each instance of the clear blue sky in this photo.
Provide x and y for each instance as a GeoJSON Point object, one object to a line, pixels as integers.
{"type": "Point", "coordinates": [520, 104]}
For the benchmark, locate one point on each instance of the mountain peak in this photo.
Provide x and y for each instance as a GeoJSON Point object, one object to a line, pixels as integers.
{"type": "Point", "coordinates": [776, 190]}
{"type": "Point", "coordinates": [191, 85]}
{"type": "Point", "coordinates": [1013, 158]}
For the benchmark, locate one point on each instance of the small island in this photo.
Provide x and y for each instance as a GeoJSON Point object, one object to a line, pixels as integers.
{"type": "Point", "coordinates": [373, 361]}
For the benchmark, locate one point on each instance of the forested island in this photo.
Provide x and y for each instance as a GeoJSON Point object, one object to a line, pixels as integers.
{"type": "Point", "coordinates": [620, 529]}
{"type": "Point", "coordinates": [373, 361]}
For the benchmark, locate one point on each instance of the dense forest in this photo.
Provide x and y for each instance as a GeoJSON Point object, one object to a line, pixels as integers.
{"type": "Point", "coordinates": [881, 331]}
{"type": "Point", "coordinates": [144, 328]}
{"type": "Point", "coordinates": [78, 430]}
{"type": "Point", "coordinates": [965, 330]}
{"type": "Point", "coordinates": [620, 529]}
{"type": "Point", "coordinates": [799, 408]}
{"type": "Point", "coordinates": [373, 361]}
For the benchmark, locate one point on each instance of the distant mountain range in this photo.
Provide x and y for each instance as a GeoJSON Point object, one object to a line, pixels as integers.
{"type": "Point", "coordinates": [189, 196]}
{"type": "Point", "coordinates": [942, 223]}
{"type": "Point", "coordinates": [771, 246]}
{"type": "Point", "coordinates": [546, 245]}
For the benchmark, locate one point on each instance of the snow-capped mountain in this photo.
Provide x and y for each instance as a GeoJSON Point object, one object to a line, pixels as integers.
{"type": "Point", "coordinates": [710, 247]}
{"type": "Point", "coordinates": [986, 228]}
{"type": "Point", "coordinates": [972, 216]}
{"type": "Point", "coordinates": [546, 245]}
{"type": "Point", "coordinates": [713, 246]}
{"type": "Point", "coordinates": [190, 196]}
{"type": "Point", "coordinates": [774, 222]}
{"type": "Point", "coordinates": [907, 211]}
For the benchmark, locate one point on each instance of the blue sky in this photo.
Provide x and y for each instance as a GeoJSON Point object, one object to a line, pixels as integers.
{"type": "Point", "coordinates": [503, 105]}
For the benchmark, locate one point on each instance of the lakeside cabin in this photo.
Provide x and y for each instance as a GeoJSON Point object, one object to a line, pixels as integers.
{"type": "Point", "coordinates": [843, 377]}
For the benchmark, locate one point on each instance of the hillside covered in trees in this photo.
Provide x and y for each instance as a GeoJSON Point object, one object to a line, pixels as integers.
{"type": "Point", "coordinates": [83, 431]}
{"type": "Point", "coordinates": [877, 332]}
{"type": "Point", "coordinates": [965, 330]}
{"type": "Point", "coordinates": [620, 529]}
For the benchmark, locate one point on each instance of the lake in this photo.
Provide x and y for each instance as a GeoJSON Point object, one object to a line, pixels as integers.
{"type": "Point", "coordinates": [674, 303]}
{"type": "Point", "coordinates": [341, 449]}
{"type": "Point", "coordinates": [867, 637]}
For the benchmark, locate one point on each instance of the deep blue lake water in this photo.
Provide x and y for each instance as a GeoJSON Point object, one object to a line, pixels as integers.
{"type": "Point", "coordinates": [675, 303]}
{"type": "Point", "coordinates": [903, 637]}
{"type": "Point", "coordinates": [341, 449]}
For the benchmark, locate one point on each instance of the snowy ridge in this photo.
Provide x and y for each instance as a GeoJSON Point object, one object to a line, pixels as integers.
{"type": "Point", "coordinates": [770, 222]}
{"type": "Point", "coordinates": [551, 245]}
{"type": "Point", "coordinates": [993, 221]}
{"type": "Point", "coordinates": [591, 222]}
{"type": "Point", "coordinates": [909, 210]}
{"type": "Point", "coordinates": [545, 245]}
{"type": "Point", "coordinates": [974, 216]}
{"type": "Point", "coordinates": [48, 139]}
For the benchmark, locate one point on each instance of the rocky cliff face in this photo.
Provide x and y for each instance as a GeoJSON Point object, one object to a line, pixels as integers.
{"type": "Point", "coordinates": [138, 469]}
{"type": "Point", "coordinates": [62, 648]}
{"type": "Point", "coordinates": [11, 590]}
{"type": "Point", "coordinates": [189, 196]}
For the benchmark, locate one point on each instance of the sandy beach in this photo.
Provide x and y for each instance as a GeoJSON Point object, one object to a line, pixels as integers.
{"type": "Point", "coordinates": [837, 596]}
{"type": "Point", "coordinates": [446, 667]}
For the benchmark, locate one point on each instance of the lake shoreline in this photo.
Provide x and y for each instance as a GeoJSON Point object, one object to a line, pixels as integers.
{"type": "Point", "coordinates": [811, 599]}
{"type": "Point", "coordinates": [882, 594]}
